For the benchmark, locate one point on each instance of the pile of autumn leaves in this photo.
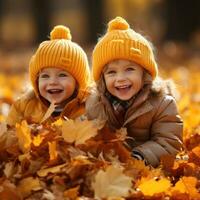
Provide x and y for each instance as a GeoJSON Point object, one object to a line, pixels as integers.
{"type": "Point", "coordinates": [81, 160]}
{"type": "Point", "coordinates": [74, 160]}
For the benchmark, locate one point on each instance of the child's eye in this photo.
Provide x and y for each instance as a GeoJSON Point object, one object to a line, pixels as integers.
{"type": "Point", "coordinates": [44, 76]}
{"type": "Point", "coordinates": [110, 72]}
{"type": "Point", "coordinates": [130, 69]}
{"type": "Point", "coordinates": [62, 75]}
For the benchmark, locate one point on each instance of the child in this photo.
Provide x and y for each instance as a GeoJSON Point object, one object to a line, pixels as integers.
{"type": "Point", "coordinates": [60, 74]}
{"type": "Point", "coordinates": [127, 94]}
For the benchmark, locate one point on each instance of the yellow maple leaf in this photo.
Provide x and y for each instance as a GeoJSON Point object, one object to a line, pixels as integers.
{"type": "Point", "coordinates": [78, 131]}
{"type": "Point", "coordinates": [58, 122]}
{"type": "Point", "coordinates": [156, 186]}
{"type": "Point", "coordinates": [52, 150]}
{"type": "Point", "coordinates": [37, 140]}
{"type": "Point", "coordinates": [187, 185]}
{"type": "Point", "coordinates": [24, 136]}
{"type": "Point", "coordinates": [112, 183]}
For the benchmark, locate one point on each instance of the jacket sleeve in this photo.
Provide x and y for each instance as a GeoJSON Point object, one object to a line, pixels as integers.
{"type": "Point", "coordinates": [165, 133]}
{"type": "Point", "coordinates": [15, 115]}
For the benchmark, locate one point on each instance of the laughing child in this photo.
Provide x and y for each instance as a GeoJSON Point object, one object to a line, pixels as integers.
{"type": "Point", "coordinates": [59, 74]}
{"type": "Point", "coordinates": [129, 94]}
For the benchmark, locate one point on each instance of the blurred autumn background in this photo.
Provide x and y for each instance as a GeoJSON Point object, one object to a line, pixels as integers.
{"type": "Point", "coordinates": [173, 27]}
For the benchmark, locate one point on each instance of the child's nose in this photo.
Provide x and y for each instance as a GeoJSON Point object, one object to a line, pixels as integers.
{"type": "Point", "coordinates": [53, 80]}
{"type": "Point", "coordinates": [120, 77]}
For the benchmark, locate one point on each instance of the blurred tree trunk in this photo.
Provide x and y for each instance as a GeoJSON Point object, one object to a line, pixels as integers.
{"type": "Point", "coordinates": [182, 19]}
{"type": "Point", "coordinates": [95, 18]}
{"type": "Point", "coordinates": [42, 17]}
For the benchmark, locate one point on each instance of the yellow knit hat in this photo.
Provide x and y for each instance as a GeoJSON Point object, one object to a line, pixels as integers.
{"type": "Point", "coordinates": [60, 52]}
{"type": "Point", "coordinates": [122, 42]}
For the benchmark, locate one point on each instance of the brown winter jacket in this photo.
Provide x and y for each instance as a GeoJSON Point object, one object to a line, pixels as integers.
{"type": "Point", "coordinates": [32, 109]}
{"type": "Point", "coordinates": [152, 121]}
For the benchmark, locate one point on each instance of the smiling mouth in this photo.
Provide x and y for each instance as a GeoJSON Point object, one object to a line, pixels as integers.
{"type": "Point", "coordinates": [54, 91]}
{"type": "Point", "coordinates": [123, 87]}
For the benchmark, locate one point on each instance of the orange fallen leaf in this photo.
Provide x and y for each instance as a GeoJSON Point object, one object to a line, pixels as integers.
{"type": "Point", "coordinates": [24, 136]}
{"type": "Point", "coordinates": [187, 185]}
{"type": "Point", "coordinates": [151, 187]}
{"type": "Point", "coordinates": [52, 150]}
{"type": "Point", "coordinates": [194, 155]}
{"type": "Point", "coordinates": [37, 140]}
{"type": "Point", "coordinates": [72, 193]}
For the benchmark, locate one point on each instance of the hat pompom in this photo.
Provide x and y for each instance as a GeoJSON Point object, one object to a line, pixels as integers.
{"type": "Point", "coordinates": [60, 32]}
{"type": "Point", "coordinates": [118, 24]}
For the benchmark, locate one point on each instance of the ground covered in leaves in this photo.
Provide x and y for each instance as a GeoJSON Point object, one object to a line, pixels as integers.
{"type": "Point", "coordinates": [80, 160]}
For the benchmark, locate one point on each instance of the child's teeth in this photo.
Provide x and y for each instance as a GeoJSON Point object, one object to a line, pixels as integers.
{"type": "Point", "coordinates": [122, 87]}
{"type": "Point", "coordinates": [54, 90]}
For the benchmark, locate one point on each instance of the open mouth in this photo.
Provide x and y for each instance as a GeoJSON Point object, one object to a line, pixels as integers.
{"type": "Point", "coordinates": [54, 91]}
{"type": "Point", "coordinates": [123, 87]}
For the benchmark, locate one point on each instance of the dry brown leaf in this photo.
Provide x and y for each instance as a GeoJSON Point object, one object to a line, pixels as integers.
{"type": "Point", "coordinates": [3, 128]}
{"type": "Point", "coordinates": [74, 152]}
{"type": "Point", "coordinates": [8, 191]}
{"type": "Point", "coordinates": [56, 169]}
{"type": "Point", "coordinates": [9, 169]}
{"type": "Point", "coordinates": [47, 195]}
{"type": "Point", "coordinates": [112, 183]}
{"type": "Point", "coordinates": [8, 139]}
{"type": "Point", "coordinates": [194, 155]}
{"type": "Point", "coordinates": [75, 131]}
{"type": "Point", "coordinates": [27, 185]}
{"type": "Point", "coordinates": [49, 112]}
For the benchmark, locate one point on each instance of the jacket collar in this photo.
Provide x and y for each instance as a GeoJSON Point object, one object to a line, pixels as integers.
{"type": "Point", "coordinates": [144, 108]}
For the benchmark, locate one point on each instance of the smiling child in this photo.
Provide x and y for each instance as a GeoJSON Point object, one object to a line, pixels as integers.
{"type": "Point", "coordinates": [130, 95]}
{"type": "Point", "coordinates": [59, 74]}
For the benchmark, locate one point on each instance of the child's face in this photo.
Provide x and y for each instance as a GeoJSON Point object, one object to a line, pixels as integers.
{"type": "Point", "coordinates": [123, 78]}
{"type": "Point", "coordinates": [56, 85]}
